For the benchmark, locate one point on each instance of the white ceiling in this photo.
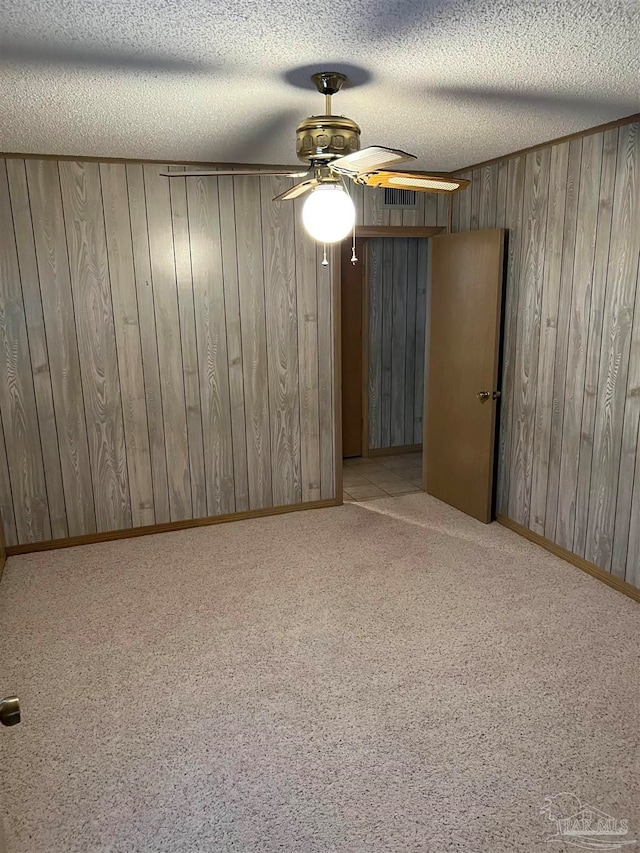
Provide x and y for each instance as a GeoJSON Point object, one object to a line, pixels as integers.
{"type": "Point", "coordinates": [200, 80]}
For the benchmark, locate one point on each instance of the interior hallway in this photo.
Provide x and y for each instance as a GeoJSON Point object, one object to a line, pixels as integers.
{"type": "Point", "coordinates": [386, 676]}
{"type": "Point", "coordinates": [370, 478]}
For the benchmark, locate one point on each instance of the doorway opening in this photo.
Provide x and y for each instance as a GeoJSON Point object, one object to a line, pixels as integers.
{"type": "Point", "coordinates": [384, 307]}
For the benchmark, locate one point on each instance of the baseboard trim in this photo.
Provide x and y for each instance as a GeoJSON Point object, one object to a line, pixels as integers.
{"type": "Point", "coordinates": [579, 562]}
{"type": "Point", "coordinates": [167, 527]}
{"type": "Point", "coordinates": [392, 451]}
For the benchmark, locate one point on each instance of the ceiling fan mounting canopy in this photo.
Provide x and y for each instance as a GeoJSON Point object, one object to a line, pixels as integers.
{"type": "Point", "coordinates": [329, 82]}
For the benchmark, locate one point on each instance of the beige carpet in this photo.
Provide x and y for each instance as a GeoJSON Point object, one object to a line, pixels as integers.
{"type": "Point", "coordinates": [389, 676]}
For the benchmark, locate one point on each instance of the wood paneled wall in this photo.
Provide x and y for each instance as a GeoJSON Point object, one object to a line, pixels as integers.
{"type": "Point", "coordinates": [569, 457]}
{"type": "Point", "coordinates": [397, 288]}
{"type": "Point", "coordinates": [167, 349]}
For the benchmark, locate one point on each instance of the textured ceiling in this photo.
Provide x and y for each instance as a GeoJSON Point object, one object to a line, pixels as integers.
{"type": "Point", "coordinates": [200, 80]}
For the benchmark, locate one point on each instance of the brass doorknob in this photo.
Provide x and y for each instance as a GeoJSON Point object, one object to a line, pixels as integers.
{"type": "Point", "coordinates": [10, 711]}
{"type": "Point", "coordinates": [485, 395]}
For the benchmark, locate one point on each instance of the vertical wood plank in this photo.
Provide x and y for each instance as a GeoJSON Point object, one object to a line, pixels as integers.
{"type": "Point", "coordinates": [430, 208]}
{"type": "Point", "coordinates": [88, 264]}
{"type": "Point", "coordinates": [581, 297]}
{"type": "Point", "coordinates": [476, 195]}
{"type": "Point", "coordinates": [596, 313]}
{"type": "Point", "coordinates": [307, 303]}
{"type": "Point", "coordinates": [464, 207]}
{"type": "Point", "coordinates": [357, 194]}
{"type": "Point", "coordinates": [7, 517]}
{"type": "Point", "coordinates": [536, 193]}
{"type": "Point", "coordinates": [234, 340]}
{"type": "Point", "coordinates": [442, 214]}
{"type": "Point", "coordinates": [501, 193]}
{"type": "Point", "coordinates": [211, 338]}
{"type": "Point", "coordinates": [254, 339]}
{"type": "Point", "coordinates": [421, 320]}
{"type": "Point", "coordinates": [374, 270]}
{"type": "Point", "coordinates": [548, 334]}
{"type": "Point", "coordinates": [148, 340]}
{"type": "Point", "coordinates": [182, 250]}
{"type": "Point", "coordinates": [562, 334]}
{"type": "Point", "coordinates": [488, 196]}
{"type": "Point", "coordinates": [282, 342]}
{"type": "Point", "coordinates": [58, 312]}
{"type": "Point", "coordinates": [327, 288]}
{"type": "Point", "coordinates": [398, 339]}
{"type": "Point", "coordinates": [455, 211]}
{"type": "Point", "coordinates": [167, 319]}
{"type": "Point", "coordinates": [387, 326]}
{"type": "Point", "coordinates": [607, 476]}
{"type": "Point", "coordinates": [374, 213]}
{"type": "Point", "coordinates": [46, 423]}
{"type": "Point", "coordinates": [127, 333]}
{"type": "Point", "coordinates": [628, 485]}
{"type": "Point", "coordinates": [632, 568]}
{"type": "Point", "coordinates": [17, 395]}
{"type": "Point", "coordinates": [513, 218]}
{"type": "Point", "coordinates": [411, 354]}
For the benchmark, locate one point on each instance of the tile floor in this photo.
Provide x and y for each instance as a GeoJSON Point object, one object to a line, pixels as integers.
{"type": "Point", "coordinates": [365, 479]}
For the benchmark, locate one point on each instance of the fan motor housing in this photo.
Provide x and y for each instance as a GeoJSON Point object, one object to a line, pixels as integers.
{"type": "Point", "coordinates": [326, 137]}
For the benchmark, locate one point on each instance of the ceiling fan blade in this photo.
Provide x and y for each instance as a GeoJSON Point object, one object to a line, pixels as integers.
{"type": "Point", "coordinates": [368, 160]}
{"type": "Point", "coordinates": [213, 173]}
{"type": "Point", "coordinates": [297, 190]}
{"type": "Point", "coordinates": [415, 181]}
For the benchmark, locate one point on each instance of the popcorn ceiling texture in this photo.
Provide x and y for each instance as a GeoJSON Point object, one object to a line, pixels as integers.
{"type": "Point", "coordinates": [195, 80]}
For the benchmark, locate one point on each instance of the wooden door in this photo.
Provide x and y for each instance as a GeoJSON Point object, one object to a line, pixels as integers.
{"type": "Point", "coordinates": [466, 301]}
{"type": "Point", "coordinates": [351, 321]}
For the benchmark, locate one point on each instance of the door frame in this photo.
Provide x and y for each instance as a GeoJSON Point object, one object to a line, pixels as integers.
{"type": "Point", "coordinates": [363, 234]}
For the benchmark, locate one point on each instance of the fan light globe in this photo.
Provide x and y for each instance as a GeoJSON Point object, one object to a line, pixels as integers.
{"type": "Point", "coordinates": [328, 214]}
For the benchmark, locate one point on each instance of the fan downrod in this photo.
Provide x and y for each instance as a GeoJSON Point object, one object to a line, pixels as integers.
{"type": "Point", "coordinates": [328, 83]}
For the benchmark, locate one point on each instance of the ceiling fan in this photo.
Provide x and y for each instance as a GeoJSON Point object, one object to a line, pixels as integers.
{"type": "Point", "coordinates": [330, 145]}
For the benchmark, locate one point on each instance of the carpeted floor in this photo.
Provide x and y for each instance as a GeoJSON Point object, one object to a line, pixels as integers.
{"type": "Point", "coordinates": [390, 676]}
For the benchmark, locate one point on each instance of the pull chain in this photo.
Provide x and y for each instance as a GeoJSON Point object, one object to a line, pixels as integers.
{"type": "Point", "coordinates": [325, 262]}
{"type": "Point", "coordinates": [354, 259]}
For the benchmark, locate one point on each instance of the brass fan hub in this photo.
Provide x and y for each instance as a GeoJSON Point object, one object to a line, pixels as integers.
{"type": "Point", "coordinates": [326, 137]}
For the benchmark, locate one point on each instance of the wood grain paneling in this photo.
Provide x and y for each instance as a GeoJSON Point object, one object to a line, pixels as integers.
{"type": "Point", "coordinates": [25, 243]}
{"type": "Point", "coordinates": [536, 196]}
{"type": "Point", "coordinates": [210, 343]}
{"type": "Point", "coordinates": [167, 350]}
{"type": "Point", "coordinates": [544, 415]}
{"type": "Point", "coordinates": [610, 483]}
{"type": "Point", "coordinates": [569, 461]}
{"type": "Point", "coordinates": [127, 331]}
{"type": "Point", "coordinates": [45, 197]}
{"type": "Point", "coordinates": [148, 341]}
{"type": "Point", "coordinates": [397, 285]}
{"type": "Point", "coordinates": [282, 340]}
{"type": "Point", "coordinates": [562, 335]}
{"type": "Point", "coordinates": [582, 283]}
{"type": "Point", "coordinates": [168, 334]}
{"type": "Point", "coordinates": [17, 395]}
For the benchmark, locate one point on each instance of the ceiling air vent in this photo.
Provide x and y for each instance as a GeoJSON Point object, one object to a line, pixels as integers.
{"type": "Point", "coordinates": [400, 198]}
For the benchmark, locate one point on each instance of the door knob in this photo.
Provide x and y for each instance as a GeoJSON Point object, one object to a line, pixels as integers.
{"type": "Point", "coordinates": [10, 711]}
{"type": "Point", "coordinates": [483, 396]}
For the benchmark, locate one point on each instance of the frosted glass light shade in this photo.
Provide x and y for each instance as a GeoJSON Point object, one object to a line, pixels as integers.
{"type": "Point", "coordinates": [328, 214]}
